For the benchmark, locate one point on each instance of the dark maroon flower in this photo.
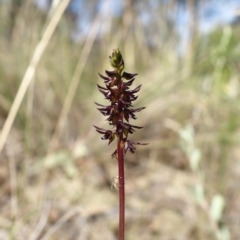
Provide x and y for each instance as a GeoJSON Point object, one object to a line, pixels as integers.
{"type": "Point", "coordinates": [117, 92]}
{"type": "Point", "coordinates": [129, 145]}
{"type": "Point", "coordinates": [107, 134]}
{"type": "Point", "coordinates": [128, 76]}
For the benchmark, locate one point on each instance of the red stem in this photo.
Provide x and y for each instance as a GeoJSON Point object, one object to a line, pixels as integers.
{"type": "Point", "coordinates": [121, 188]}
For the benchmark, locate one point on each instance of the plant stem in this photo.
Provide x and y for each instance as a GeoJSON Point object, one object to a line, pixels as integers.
{"type": "Point", "coordinates": [121, 188]}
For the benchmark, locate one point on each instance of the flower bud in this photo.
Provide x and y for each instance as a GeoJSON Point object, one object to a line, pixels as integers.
{"type": "Point", "coordinates": [116, 61]}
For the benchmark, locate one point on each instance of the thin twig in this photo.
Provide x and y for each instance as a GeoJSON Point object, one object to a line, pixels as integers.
{"type": "Point", "coordinates": [60, 222]}
{"type": "Point", "coordinates": [39, 50]}
{"type": "Point", "coordinates": [42, 222]}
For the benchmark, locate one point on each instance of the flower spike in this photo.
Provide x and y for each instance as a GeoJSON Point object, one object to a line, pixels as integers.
{"type": "Point", "coordinates": [119, 112]}
{"type": "Point", "coordinates": [117, 91]}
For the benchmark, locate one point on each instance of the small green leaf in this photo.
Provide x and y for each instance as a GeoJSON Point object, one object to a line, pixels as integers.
{"type": "Point", "coordinates": [56, 159]}
{"type": "Point", "coordinates": [195, 157]}
{"type": "Point", "coordinates": [217, 206]}
{"type": "Point", "coordinates": [61, 159]}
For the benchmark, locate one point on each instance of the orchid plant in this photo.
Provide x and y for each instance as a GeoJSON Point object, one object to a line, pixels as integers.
{"type": "Point", "coordinates": [119, 111]}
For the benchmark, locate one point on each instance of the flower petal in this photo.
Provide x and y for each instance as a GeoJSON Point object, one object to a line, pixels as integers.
{"type": "Point", "coordinates": [129, 76]}
{"type": "Point", "coordinates": [111, 73]}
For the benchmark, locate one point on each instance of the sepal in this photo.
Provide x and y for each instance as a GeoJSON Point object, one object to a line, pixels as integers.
{"type": "Point", "coordinates": [129, 76]}
{"type": "Point", "coordinates": [107, 134]}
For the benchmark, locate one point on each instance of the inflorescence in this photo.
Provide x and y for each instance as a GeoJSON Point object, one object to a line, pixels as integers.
{"type": "Point", "coordinates": [117, 91]}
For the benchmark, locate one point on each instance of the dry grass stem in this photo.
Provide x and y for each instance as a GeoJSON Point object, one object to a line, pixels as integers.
{"type": "Point", "coordinates": [39, 50]}
{"type": "Point", "coordinates": [61, 221]}
{"type": "Point", "coordinates": [42, 222]}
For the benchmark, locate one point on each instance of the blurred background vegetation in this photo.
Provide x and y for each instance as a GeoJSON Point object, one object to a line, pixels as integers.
{"type": "Point", "coordinates": [56, 173]}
